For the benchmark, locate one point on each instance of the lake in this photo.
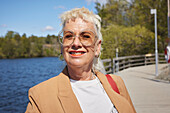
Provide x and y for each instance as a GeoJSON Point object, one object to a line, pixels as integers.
{"type": "Point", "coordinates": [18, 75]}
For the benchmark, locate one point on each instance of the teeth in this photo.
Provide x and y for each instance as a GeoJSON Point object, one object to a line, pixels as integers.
{"type": "Point", "coordinates": [76, 53]}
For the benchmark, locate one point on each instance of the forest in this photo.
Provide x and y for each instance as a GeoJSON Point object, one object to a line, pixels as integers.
{"type": "Point", "coordinates": [129, 26]}
{"type": "Point", "coordinates": [126, 26]}
{"type": "Point", "coordinates": [15, 46]}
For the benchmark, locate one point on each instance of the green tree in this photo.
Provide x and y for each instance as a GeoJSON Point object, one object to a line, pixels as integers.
{"type": "Point", "coordinates": [10, 35]}
{"type": "Point", "coordinates": [12, 45]}
{"type": "Point", "coordinates": [36, 46]}
{"type": "Point", "coordinates": [113, 12]}
{"type": "Point", "coordinates": [48, 39]}
{"type": "Point", "coordinates": [25, 46]}
{"type": "Point", "coordinates": [9, 47]}
{"type": "Point", "coordinates": [129, 40]}
{"type": "Point", "coordinates": [17, 37]}
{"type": "Point", "coordinates": [2, 55]}
{"type": "Point", "coordinates": [136, 12]}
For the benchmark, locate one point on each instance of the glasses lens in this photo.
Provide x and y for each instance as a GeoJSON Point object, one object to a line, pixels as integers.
{"type": "Point", "coordinates": [68, 37]}
{"type": "Point", "coordinates": [87, 38]}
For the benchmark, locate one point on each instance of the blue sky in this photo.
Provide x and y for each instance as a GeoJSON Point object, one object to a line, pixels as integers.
{"type": "Point", "coordinates": [37, 17]}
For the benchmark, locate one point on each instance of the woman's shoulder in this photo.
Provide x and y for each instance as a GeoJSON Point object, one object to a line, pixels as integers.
{"type": "Point", "coordinates": [46, 86]}
{"type": "Point", "coordinates": [43, 96]}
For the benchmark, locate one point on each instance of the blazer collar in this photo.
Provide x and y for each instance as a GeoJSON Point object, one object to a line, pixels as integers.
{"type": "Point", "coordinates": [121, 104]}
{"type": "Point", "coordinates": [66, 96]}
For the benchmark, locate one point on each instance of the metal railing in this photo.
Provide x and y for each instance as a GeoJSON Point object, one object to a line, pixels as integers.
{"type": "Point", "coordinates": [117, 64]}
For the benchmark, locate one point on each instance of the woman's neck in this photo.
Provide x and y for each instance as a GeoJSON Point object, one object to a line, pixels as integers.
{"type": "Point", "coordinates": [80, 74]}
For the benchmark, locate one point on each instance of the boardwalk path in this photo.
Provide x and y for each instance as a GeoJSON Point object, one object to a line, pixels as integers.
{"type": "Point", "coordinates": [148, 94]}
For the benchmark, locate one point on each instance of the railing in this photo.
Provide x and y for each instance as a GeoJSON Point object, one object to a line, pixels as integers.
{"type": "Point", "coordinates": [117, 64]}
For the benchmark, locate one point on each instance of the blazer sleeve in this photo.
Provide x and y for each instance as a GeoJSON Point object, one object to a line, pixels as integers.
{"type": "Point", "coordinates": [123, 90]}
{"type": "Point", "coordinates": [32, 106]}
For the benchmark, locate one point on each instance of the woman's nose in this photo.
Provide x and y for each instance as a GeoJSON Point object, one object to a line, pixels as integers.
{"type": "Point", "coordinates": [76, 42]}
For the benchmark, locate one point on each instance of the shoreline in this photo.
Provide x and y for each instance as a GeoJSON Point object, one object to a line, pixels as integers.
{"type": "Point", "coordinates": [28, 57]}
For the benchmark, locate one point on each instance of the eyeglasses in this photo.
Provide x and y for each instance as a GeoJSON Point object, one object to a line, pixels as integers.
{"type": "Point", "coordinates": [86, 37]}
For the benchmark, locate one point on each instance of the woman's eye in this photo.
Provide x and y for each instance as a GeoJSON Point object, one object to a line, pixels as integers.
{"type": "Point", "coordinates": [68, 36]}
{"type": "Point", "coordinates": [86, 36]}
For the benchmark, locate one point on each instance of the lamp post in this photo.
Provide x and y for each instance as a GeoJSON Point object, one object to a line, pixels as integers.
{"type": "Point", "coordinates": [168, 20]}
{"type": "Point", "coordinates": [153, 11]}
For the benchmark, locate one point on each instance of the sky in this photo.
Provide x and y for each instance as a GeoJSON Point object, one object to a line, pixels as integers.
{"type": "Point", "coordinates": [37, 17]}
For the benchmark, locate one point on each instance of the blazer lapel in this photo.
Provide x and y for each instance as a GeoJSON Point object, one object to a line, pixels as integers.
{"type": "Point", "coordinates": [121, 104]}
{"type": "Point", "coordinates": [66, 96]}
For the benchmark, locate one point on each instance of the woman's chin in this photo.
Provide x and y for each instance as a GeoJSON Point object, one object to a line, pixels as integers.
{"type": "Point", "coordinates": [76, 63]}
{"type": "Point", "coordinates": [81, 61]}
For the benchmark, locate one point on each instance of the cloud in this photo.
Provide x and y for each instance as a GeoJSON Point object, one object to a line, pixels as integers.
{"type": "Point", "coordinates": [48, 28]}
{"type": "Point", "coordinates": [59, 7]}
{"type": "Point", "coordinates": [3, 25]}
{"type": "Point", "coordinates": [89, 1]}
{"type": "Point", "coordinates": [100, 1]}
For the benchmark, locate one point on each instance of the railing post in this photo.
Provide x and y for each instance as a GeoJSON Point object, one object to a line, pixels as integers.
{"type": "Point", "coordinates": [123, 64]}
{"type": "Point", "coordinates": [129, 62]}
{"type": "Point", "coordinates": [117, 65]}
{"type": "Point", "coordinates": [114, 65]}
{"type": "Point", "coordinates": [145, 60]}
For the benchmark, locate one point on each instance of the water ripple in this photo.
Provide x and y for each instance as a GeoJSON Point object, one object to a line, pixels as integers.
{"type": "Point", "coordinates": [18, 75]}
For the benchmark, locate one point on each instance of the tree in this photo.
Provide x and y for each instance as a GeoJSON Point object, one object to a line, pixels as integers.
{"type": "Point", "coordinates": [15, 46]}
{"type": "Point", "coordinates": [141, 10]}
{"type": "Point", "coordinates": [17, 37]}
{"type": "Point", "coordinates": [113, 12]}
{"type": "Point", "coordinates": [25, 46]}
{"type": "Point", "coordinates": [134, 13]}
{"type": "Point", "coordinates": [2, 55]}
{"type": "Point", "coordinates": [48, 39]}
{"type": "Point", "coordinates": [9, 35]}
{"type": "Point", "coordinates": [9, 47]}
{"type": "Point", "coordinates": [129, 40]}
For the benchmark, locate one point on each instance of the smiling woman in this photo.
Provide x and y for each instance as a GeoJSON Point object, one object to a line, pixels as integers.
{"type": "Point", "coordinates": [85, 49]}
{"type": "Point", "coordinates": [81, 86]}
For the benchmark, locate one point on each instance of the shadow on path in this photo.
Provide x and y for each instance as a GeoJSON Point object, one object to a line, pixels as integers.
{"type": "Point", "coordinates": [156, 80]}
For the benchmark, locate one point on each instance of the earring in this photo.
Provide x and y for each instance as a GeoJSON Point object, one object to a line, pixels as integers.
{"type": "Point", "coordinates": [61, 54]}
{"type": "Point", "coordinates": [97, 56]}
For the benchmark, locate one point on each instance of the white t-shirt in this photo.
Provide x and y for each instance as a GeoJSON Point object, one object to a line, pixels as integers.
{"type": "Point", "coordinates": [92, 96]}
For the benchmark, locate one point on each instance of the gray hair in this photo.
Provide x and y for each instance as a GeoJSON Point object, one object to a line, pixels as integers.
{"type": "Point", "coordinates": [86, 15]}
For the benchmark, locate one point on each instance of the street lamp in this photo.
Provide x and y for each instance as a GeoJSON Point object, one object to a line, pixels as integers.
{"type": "Point", "coordinates": [153, 11]}
{"type": "Point", "coordinates": [168, 20]}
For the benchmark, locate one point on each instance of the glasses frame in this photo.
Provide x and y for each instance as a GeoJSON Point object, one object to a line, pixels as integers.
{"type": "Point", "coordinates": [59, 36]}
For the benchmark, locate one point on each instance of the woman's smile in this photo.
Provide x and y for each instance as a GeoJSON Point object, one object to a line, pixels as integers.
{"type": "Point", "coordinates": [77, 53]}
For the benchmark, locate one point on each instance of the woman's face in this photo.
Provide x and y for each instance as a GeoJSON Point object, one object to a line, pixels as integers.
{"type": "Point", "coordinates": [77, 54]}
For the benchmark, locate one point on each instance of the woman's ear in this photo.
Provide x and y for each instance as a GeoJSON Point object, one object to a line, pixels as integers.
{"type": "Point", "coordinates": [98, 48]}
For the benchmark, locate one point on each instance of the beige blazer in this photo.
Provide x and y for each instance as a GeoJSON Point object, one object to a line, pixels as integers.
{"type": "Point", "coordinates": [56, 95]}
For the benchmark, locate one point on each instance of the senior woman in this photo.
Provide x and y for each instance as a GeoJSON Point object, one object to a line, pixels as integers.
{"type": "Point", "coordinates": [81, 86]}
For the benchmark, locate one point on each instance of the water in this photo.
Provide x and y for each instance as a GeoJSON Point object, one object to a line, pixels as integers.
{"type": "Point", "coordinates": [18, 75]}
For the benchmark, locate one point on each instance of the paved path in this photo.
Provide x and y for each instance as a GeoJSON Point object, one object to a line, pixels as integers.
{"type": "Point", "coordinates": [148, 94]}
